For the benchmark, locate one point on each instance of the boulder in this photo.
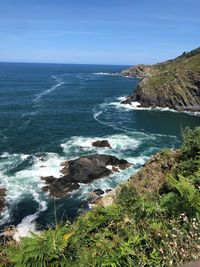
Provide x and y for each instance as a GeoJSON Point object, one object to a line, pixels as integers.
{"type": "Point", "coordinates": [101, 143]}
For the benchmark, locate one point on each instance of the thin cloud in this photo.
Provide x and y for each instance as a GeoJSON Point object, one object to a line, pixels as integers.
{"type": "Point", "coordinates": [47, 33]}
{"type": "Point", "coordinates": [176, 19]}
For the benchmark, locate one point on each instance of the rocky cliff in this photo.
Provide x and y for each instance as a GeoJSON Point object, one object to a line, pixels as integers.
{"type": "Point", "coordinates": [174, 83]}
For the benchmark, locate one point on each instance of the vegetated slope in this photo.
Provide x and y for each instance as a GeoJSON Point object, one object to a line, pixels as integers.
{"type": "Point", "coordinates": [154, 221]}
{"type": "Point", "coordinates": [174, 83]}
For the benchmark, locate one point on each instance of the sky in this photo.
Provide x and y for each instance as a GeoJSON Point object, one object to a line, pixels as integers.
{"type": "Point", "coordinates": [123, 32]}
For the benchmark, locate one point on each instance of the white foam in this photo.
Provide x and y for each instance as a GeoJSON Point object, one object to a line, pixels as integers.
{"type": "Point", "coordinates": [50, 165]}
{"type": "Point", "coordinates": [59, 82]}
{"type": "Point", "coordinates": [4, 155]}
{"type": "Point", "coordinates": [104, 73]}
{"type": "Point", "coordinates": [109, 167]}
{"type": "Point", "coordinates": [137, 106]}
{"type": "Point", "coordinates": [133, 106]}
{"type": "Point", "coordinates": [119, 143]}
{"type": "Point", "coordinates": [195, 113]}
{"type": "Point", "coordinates": [26, 228]}
{"type": "Point", "coordinates": [27, 181]}
{"type": "Point", "coordinates": [121, 98]}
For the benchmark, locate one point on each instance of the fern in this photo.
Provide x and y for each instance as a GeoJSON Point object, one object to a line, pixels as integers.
{"type": "Point", "coordinates": [186, 190]}
{"type": "Point", "coordinates": [42, 250]}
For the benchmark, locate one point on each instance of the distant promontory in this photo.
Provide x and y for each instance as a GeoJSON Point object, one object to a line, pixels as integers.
{"type": "Point", "coordinates": [173, 83]}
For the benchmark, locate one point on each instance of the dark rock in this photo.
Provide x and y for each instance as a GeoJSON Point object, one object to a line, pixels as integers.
{"type": "Point", "coordinates": [98, 192]}
{"type": "Point", "coordinates": [2, 198]}
{"type": "Point", "coordinates": [59, 187]}
{"type": "Point", "coordinates": [115, 169]}
{"type": "Point", "coordinates": [82, 170]}
{"type": "Point", "coordinates": [128, 100]}
{"type": "Point", "coordinates": [189, 108]}
{"type": "Point", "coordinates": [108, 190]}
{"type": "Point", "coordinates": [101, 143]}
{"type": "Point", "coordinates": [95, 196]}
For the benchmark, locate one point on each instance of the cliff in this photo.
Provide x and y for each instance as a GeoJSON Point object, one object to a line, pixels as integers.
{"type": "Point", "coordinates": [174, 83]}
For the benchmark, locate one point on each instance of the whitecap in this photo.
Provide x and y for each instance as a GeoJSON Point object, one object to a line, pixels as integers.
{"type": "Point", "coordinates": [78, 145]}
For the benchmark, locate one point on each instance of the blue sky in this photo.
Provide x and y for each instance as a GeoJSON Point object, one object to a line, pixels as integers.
{"type": "Point", "coordinates": [91, 31]}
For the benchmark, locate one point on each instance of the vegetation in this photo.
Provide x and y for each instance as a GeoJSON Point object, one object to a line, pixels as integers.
{"type": "Point", "coordinates": [141, 229]}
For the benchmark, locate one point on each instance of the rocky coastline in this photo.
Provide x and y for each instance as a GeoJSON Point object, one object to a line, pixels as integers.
{"type": "Point", "coordinates": [174, 84]}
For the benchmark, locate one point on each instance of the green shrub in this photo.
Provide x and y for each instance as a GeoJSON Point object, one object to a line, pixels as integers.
{"type": "Point", "coordinates": [40, 250]}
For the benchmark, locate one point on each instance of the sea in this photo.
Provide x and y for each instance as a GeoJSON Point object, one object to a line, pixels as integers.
{"type": "Point", "coordinates": [50, 113]}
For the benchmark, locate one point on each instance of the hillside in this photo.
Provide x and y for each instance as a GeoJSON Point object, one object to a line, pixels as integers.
{"type": "Point", "coordinates": [174, 83]}
{"type": "Point", "coordinates": [153, 221]}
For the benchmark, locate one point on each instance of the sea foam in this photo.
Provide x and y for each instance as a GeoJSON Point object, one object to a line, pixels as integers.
{"type": "Point", "coordinates": [59, 82]}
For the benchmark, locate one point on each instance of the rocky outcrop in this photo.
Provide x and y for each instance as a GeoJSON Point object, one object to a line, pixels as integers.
{"type": "Point", "coordinates": [139, 71]}
{"type": "Point", "coordinates": [174, 84]}
{"type": "Point", "coordinates": [150, 179]}
{"type": "Point", "coordinates": [2, 198]}
{"type": "Point", "coordinates": [101, 143]}
{"type": "Point", "coordinates": [83, 170]}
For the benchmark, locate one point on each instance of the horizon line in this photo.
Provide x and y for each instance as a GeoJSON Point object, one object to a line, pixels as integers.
{"type": "Point", "coordinates": [61, 63]}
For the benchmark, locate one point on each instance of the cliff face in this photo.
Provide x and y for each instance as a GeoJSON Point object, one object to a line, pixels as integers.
{"type": "Point", "coordinates": [151, 179]}
{"type": "Point", "coordinates": [174, 83]}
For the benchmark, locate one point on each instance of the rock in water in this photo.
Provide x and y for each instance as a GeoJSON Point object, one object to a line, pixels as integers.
{"type": "Point", "coordinates": [128, 100]}
{"type": "Point", "coordinates": [2, 198]}
{"type": "Point", "coordinates": [82, 170]}
{"type": "Point", "coordinates": [98, 192]}
{"type": "Point", "coordinates": [101, 143]}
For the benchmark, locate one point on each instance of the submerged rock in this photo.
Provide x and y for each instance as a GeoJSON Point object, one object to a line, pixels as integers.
{"type": "Point", "coordinates": [82, 170]}
{"type": "Point", "coordinates": [101, 143]}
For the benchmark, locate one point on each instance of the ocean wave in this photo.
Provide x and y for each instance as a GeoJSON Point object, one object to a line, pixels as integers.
{"type": "Point", "coordinates": [27, 182]}
{"type": "Point", "coordinates": [78, 145]}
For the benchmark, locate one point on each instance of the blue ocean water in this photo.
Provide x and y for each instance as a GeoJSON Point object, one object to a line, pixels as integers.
{"type": "Point", "coordinates": [52, 112]}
